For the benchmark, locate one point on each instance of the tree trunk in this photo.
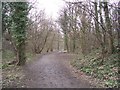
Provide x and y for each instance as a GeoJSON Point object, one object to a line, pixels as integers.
{"type": "Point", "coordinates": [109, 27]}
{"type": "Point", "coordinates": [45, 40]}
{"type": "Point", "coordinates": [103, 43]}
{"type": "Point", "coordinates": [119, 44]}
{"type": "Point", "coordinates": [21, 54]}
{"type": "Point", "coordinates": [65, 33]}
{"type": "Point", "coordinates": [58, 41]}
{"type": "Point", "coordinates": [51, 46]}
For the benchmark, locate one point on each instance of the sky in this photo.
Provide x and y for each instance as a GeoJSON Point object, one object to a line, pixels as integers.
{"type": "Point", "coordinates": [52, 7]}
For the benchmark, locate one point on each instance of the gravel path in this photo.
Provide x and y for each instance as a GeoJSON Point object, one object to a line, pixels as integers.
{"type": "Point", "coordinates": [52, 71]}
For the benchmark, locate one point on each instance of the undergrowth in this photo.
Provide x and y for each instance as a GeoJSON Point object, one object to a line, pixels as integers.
{"type": "Point", "coordinates": [106, 72]}
{"type": "Point", "coordinates": [12, 75]}
{"type": "Point", "coordinates": [8, 56]}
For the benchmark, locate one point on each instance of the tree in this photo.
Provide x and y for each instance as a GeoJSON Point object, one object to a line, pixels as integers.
{"type": "Point", "coordinates": [63, 20]}
{"type": "Point", "coordinates": [39, 31]}
{"type": "Point", "coordinates": [109, 27]}
{"type": "Point", "coordinates": [119, 27]}
{"type": "Point", "coordinates": [15, 24]}
{"type": "Point", "coordinates": [103, 44]}
{"type": "Point", "coordinates": [119, 41]}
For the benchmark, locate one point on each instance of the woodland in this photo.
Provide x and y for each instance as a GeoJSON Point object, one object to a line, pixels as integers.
{"type": "Point", "coordinates": [88, 29]}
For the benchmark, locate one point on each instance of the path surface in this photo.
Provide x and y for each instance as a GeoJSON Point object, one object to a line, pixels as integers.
{"type": "Point", "coordinates": [52, 71]}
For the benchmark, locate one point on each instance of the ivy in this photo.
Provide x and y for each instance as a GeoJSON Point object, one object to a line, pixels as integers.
{"type": "Point", "coordinates": [15, 20]}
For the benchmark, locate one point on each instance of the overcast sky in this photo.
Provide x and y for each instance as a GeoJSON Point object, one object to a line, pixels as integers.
{"type": "Point", "coordinates": [52, 7]}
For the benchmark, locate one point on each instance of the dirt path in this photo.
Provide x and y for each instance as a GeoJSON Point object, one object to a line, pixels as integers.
{"type": "Point", "coordinates": [52, 71]}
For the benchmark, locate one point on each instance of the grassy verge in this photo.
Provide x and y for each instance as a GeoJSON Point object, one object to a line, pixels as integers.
{"type": "Point", "coordinates": [91, 65]}
{"type": "Point", "coordinates": [8, 56]}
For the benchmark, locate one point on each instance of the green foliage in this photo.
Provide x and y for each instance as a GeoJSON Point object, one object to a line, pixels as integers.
{"type": "Point", "coordinates": [7, 54]}
{"type": "Point", "coordinates": [15, 20]}
{"type": "Point", "coordinates": [19, 17]}
{"type": "Point", "coordinates": [108, 72]}
{"type": "Point", "coordinates": [4, 66]}
{"type": "Point", "coordinates": [112, 83]}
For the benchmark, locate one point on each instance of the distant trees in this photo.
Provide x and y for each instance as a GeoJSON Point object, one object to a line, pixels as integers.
{"type": "Point", "coordinates": [38, 32]}
{"type": "Point", "coordinates": [89, 26]}
{"type": "Point", "coordinates": [42, 33]}
{"type": "Point", "coordinates": [63, 22]}
{"type": "Point", "coordinates": [14, 27]}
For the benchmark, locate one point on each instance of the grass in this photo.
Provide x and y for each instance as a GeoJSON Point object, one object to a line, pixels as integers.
{"type": "Point", "coordinates": [91, 65]}
{"type": "Point", "coordinates": [8, 56]}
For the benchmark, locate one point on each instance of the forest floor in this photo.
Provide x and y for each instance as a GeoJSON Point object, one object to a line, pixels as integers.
{"type": "Point", "coordinates": [48, 71]}
{"type": "Point", "coordinates": [106, 72]}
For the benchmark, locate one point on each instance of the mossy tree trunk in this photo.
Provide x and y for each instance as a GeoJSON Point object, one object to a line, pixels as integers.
{"type": "Point", "coordinates": [19, 24]}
